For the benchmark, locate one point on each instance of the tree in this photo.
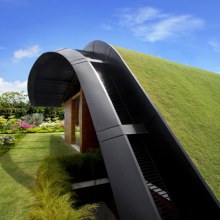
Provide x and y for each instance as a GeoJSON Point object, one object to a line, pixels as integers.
{"type": "Point", "coordinates": [13, 103]}
{"type": "Point", "coordinates": [17, 104]}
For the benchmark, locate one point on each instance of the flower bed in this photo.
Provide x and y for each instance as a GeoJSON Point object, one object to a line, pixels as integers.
{"type": "Point", "coordinates": [47, 127]}
{"type": "Point", "coordinates": [7, 139]}
{"type": "Point", "coordinates": [6, 142]}
{"type": "Point", "coordinates": [12, 125]}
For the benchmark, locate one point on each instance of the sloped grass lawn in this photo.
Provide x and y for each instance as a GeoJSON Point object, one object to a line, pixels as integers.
{"type": "Point", "coordinates": [188, 98]}
{"type": "Point", "coordinates": [18, 172]}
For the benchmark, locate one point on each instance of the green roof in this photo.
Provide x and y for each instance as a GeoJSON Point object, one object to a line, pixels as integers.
{"type": "Point", "coordinates": [189, 100]}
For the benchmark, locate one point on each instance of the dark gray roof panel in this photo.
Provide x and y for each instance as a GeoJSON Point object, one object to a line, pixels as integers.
{"type": "Point", "coordinates": [49, 86]}
{"type": "Point", "coordinates": [50, 79]}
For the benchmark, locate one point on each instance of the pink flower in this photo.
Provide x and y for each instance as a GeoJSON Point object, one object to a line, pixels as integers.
{"type": "Point", "coordinates": [24, 124]}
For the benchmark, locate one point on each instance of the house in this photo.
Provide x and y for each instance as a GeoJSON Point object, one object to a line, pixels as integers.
{"type": "Point", "coordinates": [149, 172]}
{"type": "Point", "coordinates": [79, 129]}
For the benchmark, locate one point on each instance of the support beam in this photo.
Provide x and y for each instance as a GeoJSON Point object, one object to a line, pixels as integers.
{"type": "Point", "coordinates": [90, 183]}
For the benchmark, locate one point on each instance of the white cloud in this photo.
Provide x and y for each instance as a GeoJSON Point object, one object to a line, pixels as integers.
{"type": "Point", "coordinates": [16, 86]}
{"type": "Point", "coordinates": [26, 53]}
{"type": "Point", "coordinates": [130, 17]}
{"type": "Point", "coordinates": [107, 27]}
{"type": "Point", "coordinates": [215, 44]}
{"type": "Point", "coordinates": [150, 24]}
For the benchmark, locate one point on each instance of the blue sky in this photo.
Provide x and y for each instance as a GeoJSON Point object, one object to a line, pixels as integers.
{"type": "Point", "coordinates": [184, 31]}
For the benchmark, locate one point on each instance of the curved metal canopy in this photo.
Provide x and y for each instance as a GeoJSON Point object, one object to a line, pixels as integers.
{"type": "Point", "coordinates": [52, 80]}
{"type": "Point", "coordinates": [150, 174]}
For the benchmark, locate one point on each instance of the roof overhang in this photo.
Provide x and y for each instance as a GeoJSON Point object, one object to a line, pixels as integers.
{"type": "Point", "coordinates": [52, 79]}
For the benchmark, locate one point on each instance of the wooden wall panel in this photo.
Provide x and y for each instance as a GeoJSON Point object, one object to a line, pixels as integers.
{"type": "Point", "coordinates": [76, 112]}
{"type": "Point", "coordinates": [88, 136]}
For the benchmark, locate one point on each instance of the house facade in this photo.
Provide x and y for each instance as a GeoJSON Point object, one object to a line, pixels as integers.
{"type": "Point", "coordinates": [150, 174]}
{"type": "Point", "coordinates": [79, 128]}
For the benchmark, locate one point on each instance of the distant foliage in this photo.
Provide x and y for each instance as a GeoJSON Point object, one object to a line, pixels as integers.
{"type": "Point", "coordinates": [16, 104]}
{"type": "Point", "coordinates": [18, 115]}
{"type": "Point", "coordinates": [13, 103]}
{"type": "Point", "coordinates": [47, 127]}
{"type": "Point", "coordinates": [11, 126]}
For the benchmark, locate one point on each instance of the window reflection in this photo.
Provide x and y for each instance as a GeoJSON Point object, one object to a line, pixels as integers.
{"type": "Point", "coordinates": [77, 127]}
{"type": "Point", "coordinates": [77, 135]}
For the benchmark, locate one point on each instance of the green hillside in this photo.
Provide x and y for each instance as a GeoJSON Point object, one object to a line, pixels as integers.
{"type": "Point", "coordinates": [189, 100]}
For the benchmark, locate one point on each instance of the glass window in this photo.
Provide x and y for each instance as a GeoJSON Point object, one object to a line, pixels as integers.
{"type": "Point", "coordinates": [77, 127]}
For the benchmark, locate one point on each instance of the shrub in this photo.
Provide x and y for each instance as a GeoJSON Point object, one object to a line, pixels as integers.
{"type": "Point", "coordinates": [54, 198]}
{"type": "Point", "coordinates": [21, 126]}
{"type": "Point", "coordinates": [47, 127]}
{"type": "Point", "coordinates": [87, 166]}
{"type": "Point", "coordinates": [7, 139]}
{"type": "Point", "coordinates": [7, 125]}
{"type": "Point", "coordinates": [30, 125]}
{"type": "Point", "coordinates": [6, 142]}
{"type": "Point", "coordinates": [34, 119]}
{"type": "Point", "coordinates": [53, 126]}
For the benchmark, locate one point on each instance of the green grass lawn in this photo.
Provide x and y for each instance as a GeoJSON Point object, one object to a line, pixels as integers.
{"type": "Point", "coordinates": [18, 172]}
{"type": "Point", "coordinates": [189, 100]}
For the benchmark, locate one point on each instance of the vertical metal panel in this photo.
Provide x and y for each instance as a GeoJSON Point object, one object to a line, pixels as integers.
{"type": "Point", "coordinates": [133, 199]}
{"type": "Point", "coordinates": [101, 109]}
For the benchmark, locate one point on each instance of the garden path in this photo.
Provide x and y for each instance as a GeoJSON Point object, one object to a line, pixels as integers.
{"type": "Point", "coordinates": [18, 172]}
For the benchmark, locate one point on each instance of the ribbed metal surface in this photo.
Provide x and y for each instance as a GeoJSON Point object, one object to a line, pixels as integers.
{"type": "Point", "coordinates": [153, 179]}
{"type": "Point", "coordinates": [49, 84]}
{"type": "Point", "coordinates": [114, 95]}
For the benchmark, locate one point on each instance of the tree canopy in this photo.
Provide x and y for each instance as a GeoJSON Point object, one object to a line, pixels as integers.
{"type": "Point", "coordinates": [17, 104]}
